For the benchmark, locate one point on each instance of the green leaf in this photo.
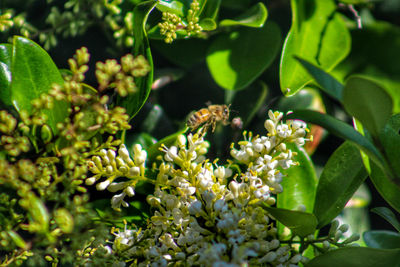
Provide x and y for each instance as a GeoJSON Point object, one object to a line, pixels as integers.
{"type": "Point", "coordinates": [328, 84]}
{"type": "Point", "coordinates": [386, 187]}
{"type": "Point", "coordinates": [382, 239]}
{"type": "Point", "coordinates": [33, 73]}
{"type": "Point", "coordinates": [388, 215]}
{"type": "Point", "coordinates": [249, 101]}
{"type": "Point", "coordinates": [368, 102]}
{"type": "Point", "coordinates": [341, 130]}
{"type": "Point", "coordinates": [208, 24]}
{"type": "Point", "coordinates": [357, 256]}
{"type": "Point", "coordinates": [299, 183]}
{"type": "Point", "coordinates": [380, 41]}
{"type": "Point", "coordinates": [390, 140]}
{"type": "Point", "coordinates": [5, 74]}
{"type": "Point", "coordinates": [175, 7]}
{"type": "Point", "coordinates": [301, 223]}
{"type": "Point", "coordinates": [134, 102]}
{"type": "Point", "coordinates": [235, 60]}
{"type": "Point", "coordinates": [317, 34]}
{"type": "Point", "coordinates": [341, 177]}
{"type": "Point", "coordinates": [252, 17]}
{"type": "Point", "coordinates": [211, 9]}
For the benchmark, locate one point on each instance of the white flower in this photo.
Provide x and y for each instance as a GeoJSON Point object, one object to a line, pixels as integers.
{"type": "Point", "coordinates": [283, 131]}
{"type": "Point", "coordinates": [103, 185]}
{"type": "Point", "coordinates": [130, 191]}
{"type": "Point", "coordinates": [171, 154]}
{"type": "Point", "coordinates": [118, 200]}
{"type": "Point", "coordinates": [262, 193]}
{"type": "Point", "coordinates": [286, 160]}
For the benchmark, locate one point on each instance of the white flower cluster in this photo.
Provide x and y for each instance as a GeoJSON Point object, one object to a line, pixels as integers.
{"type": "Point", "coordinates": [112, 166]}
{"type": "Point", "coordinates": [263, 154]}
{"type": "Point", "coordinates": [206, 216]}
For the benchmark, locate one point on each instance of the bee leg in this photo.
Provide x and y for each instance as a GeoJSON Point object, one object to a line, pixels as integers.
{"type": "Point", "coordinates": [213, 123]}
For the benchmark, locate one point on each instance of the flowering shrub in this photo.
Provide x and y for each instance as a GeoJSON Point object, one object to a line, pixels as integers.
{"type": "Point", "coordinates": [205, 213]}
{"type": "Point", "coordinates": [142, 153]}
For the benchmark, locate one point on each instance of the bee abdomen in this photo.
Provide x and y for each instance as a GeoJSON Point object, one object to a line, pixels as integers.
{"type": "Point", "coordinates": [198, 117]}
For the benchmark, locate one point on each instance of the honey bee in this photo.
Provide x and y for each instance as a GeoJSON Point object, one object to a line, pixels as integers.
{"type": "Point", "coordinates": [209, 117]}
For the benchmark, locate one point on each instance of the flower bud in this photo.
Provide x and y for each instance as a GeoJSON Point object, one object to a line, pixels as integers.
{"type": "Point", "coordinates": [120, 161]}
{"type": "Point", "coordinates": [137, 148]}
{"type": "Point", "coordinates": [344, 228]}
{"type": "Point", "coordinates": [326, 244]}
{"type": "Point", "coordinates": [109, 169]}
{"type": "Point", "coordinates": [97, 161]}
{"type": "Point", "coordinates": [133, 171]}
{"type": "Point", "coordinates": [195, 207]}
{"type": "Point", "coordinates": [140, 158]}
{"type": "Point", "coordinates": [270, 257]}
{"type": "Point", "coordinates": [270, 126]}
{"type": "Point", "coordinates": [274, 244]}
{"type": "Point", "coordinates": [111, 154]}
{"type": "Point", "coordinates": [103, 185]}
{"type": "Point", "coordinates": [181, 140]}
{"type": "Point", "coordinates": [334, 226]}
{"type": "Point", "coordinates": [352, 238]}
{"type": "Point", "coordinates": [296, 259]}
{"type": "Point", "coordinates": [123, 152]}
{"type": "Point", "coordinates": [234, 187]}
{"type": "Point", "coordinates": [114, 187]}
{"type": "Point", "coordinates": [90, 181]}
{"type": "Point", "coordinates": [130, 191]}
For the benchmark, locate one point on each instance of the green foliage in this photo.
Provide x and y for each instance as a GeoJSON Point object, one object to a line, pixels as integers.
{"type": "Point", "coordinates": [235, 65]}
{"type": "Point", "coordinates": [342, 175]}
{"type": "Point", "coordinates": [318, 34]}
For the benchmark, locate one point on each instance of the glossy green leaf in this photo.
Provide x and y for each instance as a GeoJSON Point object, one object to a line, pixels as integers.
{"type": "Point", "coordinates": [317, 34]}
{"type": "Point", "coordinates": [388, 215]}
{"type": "Point", "coordinates": [33, 73]}
{"type": "Point", "coordinates": [341, 130]}
{"type": "Point", "coordinates": [341, 177]}
{"type": "Point", "coordinates": [390, 140]}
{"type": "Point", "coordinates": [367, 102]}
{"type": "Point", "coordinates": [252, 17]}
{"type": "Point", "coordinates": [235, 60]}
{"type": "Point", "coordinates": [249, 101]}
{"type": "Point", "coordinates": [382, 239]}
{"type": "Point", "coordinates": [176, 7]}
{"type": "Point", "coordinates": [301, 223]}
{"type": "Point", "coordinates": [386, 187]}
{"type": "Point", "coordinates": [5, 74]}
{"type": "Point", "coordinates": [211, 9]}
{"type": "Point", "coordinates": [208, 24]}
{"type": "Point", "coordinates": [375, 53]}
{"type": "Point", "coordinates": [134, 102]}
{"type": "Point", "coordinates": [328, 84]}
{"type": "Point", "coordinates": [356, 257]}
{"type": "Point", "coordinates": [299, 183]}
